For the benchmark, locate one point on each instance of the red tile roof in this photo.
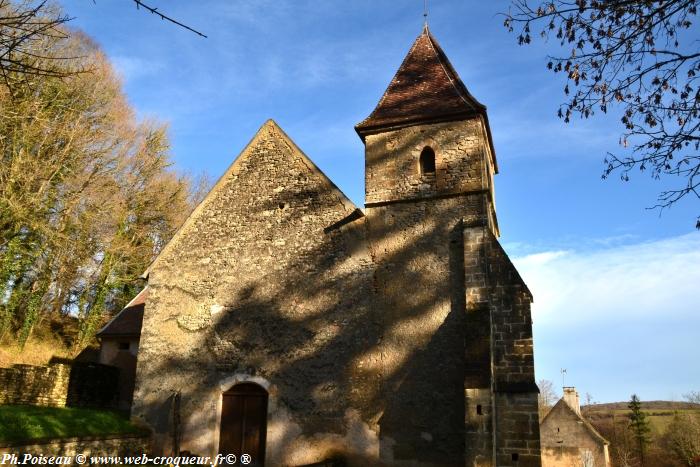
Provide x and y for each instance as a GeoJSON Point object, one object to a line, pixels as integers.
{"type": "Point", "coordinates": [426, 88]}
{"type": "Point", "coordinates": [128, 321]}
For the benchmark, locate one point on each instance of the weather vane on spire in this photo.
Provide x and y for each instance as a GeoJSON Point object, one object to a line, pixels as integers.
{"type": "Point", "coordinates": [425, 12]}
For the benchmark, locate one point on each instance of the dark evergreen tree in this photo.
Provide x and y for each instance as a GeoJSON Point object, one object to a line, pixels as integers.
{"type": "Point", "coordinates": [639, 425]}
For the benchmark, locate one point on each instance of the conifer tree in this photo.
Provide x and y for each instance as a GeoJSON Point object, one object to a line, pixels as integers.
{"type": "Point", "coordinates": [639, 426]}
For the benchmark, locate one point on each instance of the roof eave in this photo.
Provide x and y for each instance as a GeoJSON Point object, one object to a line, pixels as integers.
{"type": "Point", "coordinates": [117, 334]}
{"type": "Point", "coordinates": [363, 130]}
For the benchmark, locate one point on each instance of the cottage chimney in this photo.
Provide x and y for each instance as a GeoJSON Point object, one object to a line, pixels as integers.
{"type": "Point", "coordinates": [571, 398]}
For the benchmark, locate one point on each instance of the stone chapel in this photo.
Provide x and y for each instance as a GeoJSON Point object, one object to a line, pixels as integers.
{"type": "Point", "coordinates": [285, 323]}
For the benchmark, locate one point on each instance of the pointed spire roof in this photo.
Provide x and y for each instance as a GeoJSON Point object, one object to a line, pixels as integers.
{"type": "Point", "coordinates": [426, 88]}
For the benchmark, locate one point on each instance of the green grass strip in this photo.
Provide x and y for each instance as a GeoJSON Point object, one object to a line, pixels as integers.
{"type": "Point", "coordinates": [26, 422]}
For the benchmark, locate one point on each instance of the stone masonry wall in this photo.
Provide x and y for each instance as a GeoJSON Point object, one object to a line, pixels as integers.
{"type": "Point", "coordinates": [267, 282]}
{"type": "Point", "coordinates": [114, 445]}
{"type": "Point", "coordinates": [436, 347]}
{"type": "Point", "coordinates": [399, 336]}
{"type": "Point", "coordinates": [35, 385]}
{"type": "Point", "coordinates": [566, 441]}
{"type": "Point", "coordinates": [419, 281]}
{"type": "Point", "coordinates": [392, 161]}
{"type": "Point", "coordinates": [493, 282]}
{"type": "Point", "coordinates": [76, 384]}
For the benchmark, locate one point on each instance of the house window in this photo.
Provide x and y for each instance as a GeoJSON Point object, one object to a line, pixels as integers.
{"type": "Point", "coordinates": [427, 161]}
{"type": "Point", "coordinates": [478, 410]}
{"type": "Point", "coordinates": [515, 456]}
{"type": "Point", "coordinates": [123, 346]}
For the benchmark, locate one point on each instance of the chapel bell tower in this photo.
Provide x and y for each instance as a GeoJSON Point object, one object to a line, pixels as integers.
{"type": "Point", "coordinates": [455, 366]}
{"type": "Point", "coordinates": [428, 137]}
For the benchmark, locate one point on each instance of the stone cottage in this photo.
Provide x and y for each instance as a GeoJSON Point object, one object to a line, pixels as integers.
{"type": "Point", "coordinates": [286, 323]}
{"type": "Point", "coordinates": [119, 345]}
{"type": "Point", "coordinates": [568, 439]}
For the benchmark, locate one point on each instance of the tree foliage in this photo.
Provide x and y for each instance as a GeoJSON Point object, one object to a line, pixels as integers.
{"type": "Point", "coordinates": [86, 195]}
{"type": "Point", "coordinates": [682, 438]}
{"type": "Point", "coordinates": [638, 55]}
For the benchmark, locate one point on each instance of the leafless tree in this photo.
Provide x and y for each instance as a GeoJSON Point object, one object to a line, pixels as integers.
{"type": "Point", "coordinates": [682, 438]}
{"type": "Point", "coordinates": [692, 396]}
{"type": "Point", "coordinates": [639, 55]}
{"type": "Point", "coordinates": [29, 33]}
{"type": "Point", "coordinates": [547, 397]}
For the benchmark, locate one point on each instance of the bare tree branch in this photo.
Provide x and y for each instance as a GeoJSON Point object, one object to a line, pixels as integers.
{"type": "Point", "coordinates": [629, 53]}
{"type": "Point", "coordinates": [167, 18]}
{"type": "Point", "coordinates": [29, 34]}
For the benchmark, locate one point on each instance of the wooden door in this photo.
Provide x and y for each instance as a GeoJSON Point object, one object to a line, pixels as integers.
{"type": "Point", "coordinates": [244, 423]}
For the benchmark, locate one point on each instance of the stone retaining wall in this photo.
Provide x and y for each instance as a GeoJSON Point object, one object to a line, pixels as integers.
{"type": "Point", "coordinates": [35, 385]}
{"type": "Point", "coordinates": [59, 384]}
{"type": "Point", "coordinates": [112, 445]}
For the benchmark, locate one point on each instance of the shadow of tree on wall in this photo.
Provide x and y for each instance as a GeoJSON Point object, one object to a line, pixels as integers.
{"type": "Point", "coordinates": [368, 315]}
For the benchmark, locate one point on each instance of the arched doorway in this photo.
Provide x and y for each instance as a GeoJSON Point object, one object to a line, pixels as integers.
{"type": "Point", "coordinates": [244, 423]}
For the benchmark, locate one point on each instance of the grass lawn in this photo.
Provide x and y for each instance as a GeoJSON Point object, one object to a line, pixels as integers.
{"type": "Point", "coordinates": [26, 422]}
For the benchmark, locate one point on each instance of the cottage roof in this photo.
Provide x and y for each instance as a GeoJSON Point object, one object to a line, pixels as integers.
{"type": "Point", "coordinates": [425, 88]}
{"type": "Point", "coordinates": [127, 323]}
{"type": "Point", "coordinates": [562, 405]}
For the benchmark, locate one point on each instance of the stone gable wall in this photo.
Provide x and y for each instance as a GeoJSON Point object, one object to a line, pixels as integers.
{"type": "Point", "coordinates": [267, 283]}
{"type": "Point", "coordinates": [565, 440]}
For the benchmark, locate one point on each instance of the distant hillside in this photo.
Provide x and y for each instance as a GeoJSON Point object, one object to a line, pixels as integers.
{"type": "Point", "coordinates": [660, 413]}
{"type": "Point", "coordinates": [651, 405]}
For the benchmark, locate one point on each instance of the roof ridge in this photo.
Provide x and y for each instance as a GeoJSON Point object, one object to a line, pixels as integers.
{"type": "Point", "coordinates": [451, 72]}
{"type": "Point", "coordinates": [405, 59]}
{"type": "Point", "coordinates": [434, 44]}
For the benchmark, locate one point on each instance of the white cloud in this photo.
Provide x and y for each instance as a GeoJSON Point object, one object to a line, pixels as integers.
{"type": "Point", "coordinates": [643, 280]}
{"type": "Point", "coordinates": [133, 68]}
{"type": "Point", "coordinates": [622, 319]}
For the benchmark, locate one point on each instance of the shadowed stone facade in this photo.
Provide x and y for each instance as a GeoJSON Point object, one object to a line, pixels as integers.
{"type": "Point", "coordinates": [395, 335]}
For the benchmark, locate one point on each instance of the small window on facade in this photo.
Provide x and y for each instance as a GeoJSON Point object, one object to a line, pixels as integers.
{"type": "Point", "coordinates": [123, 346]}
{"type": "Point", "coordinates": [515, 456]}
{"type": "Point", "coordinates": [478, 410]}
{"type": "Point", "coordinates": [427, 161]}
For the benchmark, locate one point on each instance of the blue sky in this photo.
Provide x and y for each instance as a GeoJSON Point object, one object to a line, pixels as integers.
{"type": "Point", "coordinates": [616, 285]}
